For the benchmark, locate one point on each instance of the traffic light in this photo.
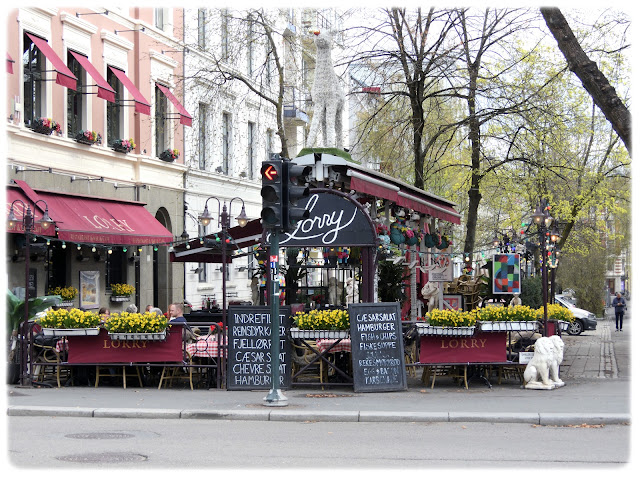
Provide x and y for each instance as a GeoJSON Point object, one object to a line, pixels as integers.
{"type": "Point", "coordinates": [296, 193]}
{"type": "Point", "coordinates": [272, 195]}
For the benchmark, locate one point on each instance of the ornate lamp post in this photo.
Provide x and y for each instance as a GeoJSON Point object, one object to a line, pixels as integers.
{"type": "Point", "coordinates": [224, 222]}
{"type": "Point", "coordinates": [543, 220]}
{"type": "Point", "coordinates": [28, 222]}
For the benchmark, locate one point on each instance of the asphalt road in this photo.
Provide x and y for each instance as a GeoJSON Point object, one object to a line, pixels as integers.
{"type": "Point", "coordinates": [82, 443]}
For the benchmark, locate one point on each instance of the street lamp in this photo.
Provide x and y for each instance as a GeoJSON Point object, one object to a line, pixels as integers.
{"type": "Point", "coordinates": [224, 223]}
{"type": "Point", "coordinates": [28, 222]}
{"type": "Point", "coordinates": [542, 218]}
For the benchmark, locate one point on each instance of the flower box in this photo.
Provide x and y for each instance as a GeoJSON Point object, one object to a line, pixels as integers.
{"type": "Point", "coordinates": [46, 126]}
{"type": "Point", "coordinates": [313, 334]}
{"type": "Point", "coordinates": [426, 329]}
{"type": "Point", "coordinates": [88, 137]}
{"type": "Point", "coordinates": [123, 145]}
{"type": "Point", "coordinates": [563, 325]}
{"type": "Point", "coordinates": [70, 332]}
{"type": "Point", "coordinates": [120, 299]}
{"type": "Point", "coordinates": [138, 336]}
{"type": "Point", "coordinates": [507, 326]}
{"type": "Point", "coordinates": [169, 155]}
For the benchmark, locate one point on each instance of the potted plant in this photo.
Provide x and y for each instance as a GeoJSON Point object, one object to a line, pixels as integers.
{"type": "Point", "coordinates": [88, 137]}
{"type": "Point", "coordinates": [67, 323]}
{"type": "Point", "coordinates": [512, 318]}
{"type": "Point", "coordinates": [321, 324]}
{"type": "Point", "coordinates": [137, 326]}
{"type": "Point", "coordinates": [448, 322]}
{"type": "Point", "coordinates": [121, 292]}
{"type": "Point", "coordinates": [46, 126]}
{"type": "Point", "coordinates": [123, 145]}
{"type": "Point", "coordinates": [558, 314]}
{"type": "Point", "coordinates": [169, 155]}
{"type": "Point", "coordinates": [68, 294]}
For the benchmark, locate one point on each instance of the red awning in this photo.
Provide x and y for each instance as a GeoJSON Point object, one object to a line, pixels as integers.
{"type": "Point", "coordinates": [141, 104]}
{"type": "Point", "coordinates": [105, 221]}
{"type": "Point", "coordinates": [13, 194]}
{"type": "Point", "coordinates": [10, 62]}
{"type": "Point", "coordinates": [242, 237]}
{"type": "Point", "coordinates": [442, 211]}
{"type": "Point", "coordinates": [65, 77]}
{"type": "Point", "coordinates": [185, 118]}
{"type": "Point", "coordinates": [370, 186]}
{"type": "Point", "coordinates": [104, 89]}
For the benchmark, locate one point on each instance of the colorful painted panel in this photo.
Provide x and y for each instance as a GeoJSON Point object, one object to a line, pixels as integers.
{"type": "Point", "coordinates": [506, 273]}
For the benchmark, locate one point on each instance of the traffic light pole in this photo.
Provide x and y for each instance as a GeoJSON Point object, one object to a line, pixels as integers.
{"type": "Point", "coordinates": [275, 398]}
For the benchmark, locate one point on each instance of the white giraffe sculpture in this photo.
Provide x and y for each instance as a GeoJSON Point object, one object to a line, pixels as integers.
{"type": "Point", "coordinates": [327, 96]}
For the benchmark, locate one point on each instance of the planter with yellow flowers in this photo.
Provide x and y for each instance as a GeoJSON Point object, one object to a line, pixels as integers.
{"type": "Point", "coordinates": [505, 319]}
{"type": "Point", "coordinates": [136, 326]}
{"type": "Point", "coordinates": [67, 323]}
{"type": "Point", "coordinates": [121, 292]}
{"type": "Point", "coordinates": [448, 322]}
{"type": "Point", "coordinates": [68, 295]}
{"type": "Point", "coordinates": [332, 324]}
{"type": "Point", "coordinates": [558, 314]}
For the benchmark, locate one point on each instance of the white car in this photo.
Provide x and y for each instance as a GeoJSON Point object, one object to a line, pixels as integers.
{"type": "Point", "coordinates": [584, 320]}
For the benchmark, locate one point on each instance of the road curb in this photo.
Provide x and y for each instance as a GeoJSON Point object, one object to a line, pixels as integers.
{"type": "Point", "coordinates": [546, 419]}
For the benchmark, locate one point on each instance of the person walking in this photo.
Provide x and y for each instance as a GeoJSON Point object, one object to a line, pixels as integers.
{"type": "Point", "coordinates": [620, 305]}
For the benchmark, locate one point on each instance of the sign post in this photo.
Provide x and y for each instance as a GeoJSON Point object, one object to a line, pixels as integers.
{"type": "Point", "coordinates": [275, 398]}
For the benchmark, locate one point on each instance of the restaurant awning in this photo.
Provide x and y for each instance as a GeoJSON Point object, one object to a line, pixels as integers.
{"type": "Point", "coordinates": [104, 89]}
{"type": "Point", "coordinates": [210, 252]}
{"type": "Point", "coordinates": [64, 76]}
{"type": "Point", "coordinates": [87, 219]}
{"type": "Point", "coordinates": [141, 104]}
{"type": "Point", "coordinates": [10, 62]}
{"type": "Point", "coordinates": [185, 118]}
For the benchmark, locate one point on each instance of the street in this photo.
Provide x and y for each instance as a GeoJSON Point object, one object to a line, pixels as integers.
{"type": "Point", "coordinates": [153, 443]}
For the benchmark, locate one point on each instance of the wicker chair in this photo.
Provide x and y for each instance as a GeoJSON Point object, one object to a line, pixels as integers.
{"type": "Point", "coordinates": [302, 356]}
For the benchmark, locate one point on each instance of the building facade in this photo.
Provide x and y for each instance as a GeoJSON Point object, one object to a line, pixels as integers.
{"type": "Point", "coordinates": [102, 78]}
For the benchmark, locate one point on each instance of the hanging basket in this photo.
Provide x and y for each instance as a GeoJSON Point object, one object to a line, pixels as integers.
{"type": "Point", "coordinates": [412, 240]}
{"type": "Point", "coordinates": [428, 241]}
{"type": "Point", "coordinates": [396, 237]}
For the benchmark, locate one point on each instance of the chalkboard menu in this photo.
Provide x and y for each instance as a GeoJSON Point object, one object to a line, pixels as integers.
{"type": "Point", "coordinates": [377, 350]}
{"type": "Point", "coordinates": [249, 363]}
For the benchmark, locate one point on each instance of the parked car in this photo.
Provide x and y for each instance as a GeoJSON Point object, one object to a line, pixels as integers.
{"type": "Point", "coordinates": [584, 320]}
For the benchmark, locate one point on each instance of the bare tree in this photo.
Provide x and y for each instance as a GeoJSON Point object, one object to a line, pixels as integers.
{"type": "Point", "coordinates": [593, 80]}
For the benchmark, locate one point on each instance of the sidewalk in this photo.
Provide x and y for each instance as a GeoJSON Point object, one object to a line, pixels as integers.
{"type": "Point", "coordinates": [595, 370]}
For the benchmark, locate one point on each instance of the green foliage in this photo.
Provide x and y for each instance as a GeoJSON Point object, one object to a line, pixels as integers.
{"type": "Point", "coordinates": [531, 295]}
{"type": "Point", "coordinates": [15, 308]}
{"type": "Point", "coordinates": [392, 282]}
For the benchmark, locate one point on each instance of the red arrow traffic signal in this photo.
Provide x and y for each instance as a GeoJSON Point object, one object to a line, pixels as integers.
{"type": "Point", "coordinates": [270, 172]}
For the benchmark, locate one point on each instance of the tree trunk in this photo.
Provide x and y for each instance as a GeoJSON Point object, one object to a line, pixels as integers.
{"type": "Point", "coordinates": [593, 80]}
{"type": "Point", "coordinates": [474, 189]}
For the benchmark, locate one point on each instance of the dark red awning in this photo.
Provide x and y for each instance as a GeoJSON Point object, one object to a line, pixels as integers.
{"type": "Point", "coordinates": [185, 118]}
{"type": "Point", "coordinates": [104, 89]}
{"type": "Point", "coordinates": [141, 104]}
{"type": "Point", "coordinates": [64, 76]}
{"type": "Point", "coordinates": [10, 62]}
{"type": "Point", "coordinates": [105, 221]}
{"type": "Point", "coordinates": [242, 237]}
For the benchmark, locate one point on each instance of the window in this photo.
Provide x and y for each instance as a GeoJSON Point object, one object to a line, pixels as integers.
{"type": "Point", "coordinates": [226, 142]}
{"type": "Point", "coordinates": [114, 110]}
{"type": "Point", "coordinates": [202, 136]}
{"type": "Point", "coordinates": [251, 129]}
{"type": "Point", "coordinates": [33, 65]}
{"type": "Point", "coordinates": [224, 34]}
{"type": "Point", "coordinates": [250, 41]}
{"type": "Point", "coordinates": [116, 267]}
{"type": "Point", "coordinates": [202, 31]}
{"type": "Point", "coordinates": [158, 18]}
{"type": "Point", "coordinates": [162, 136]}
{"type": "Point", "coordinates": [75, 99]}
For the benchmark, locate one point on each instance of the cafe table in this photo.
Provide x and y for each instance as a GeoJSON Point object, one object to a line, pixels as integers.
{"type": "Point", "coordinates": [323, 348]}
{"type": "Point", "coordinates": [207, 350]}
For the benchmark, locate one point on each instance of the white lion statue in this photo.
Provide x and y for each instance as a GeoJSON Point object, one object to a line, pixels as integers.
{"type": "Point", "coordinates": [353, 295]}
{"type": "Point", "coordinates": [543, 369]}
